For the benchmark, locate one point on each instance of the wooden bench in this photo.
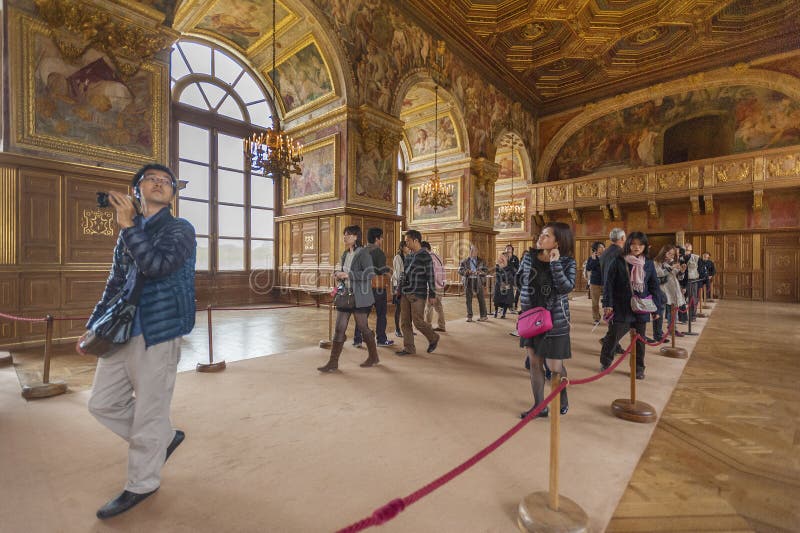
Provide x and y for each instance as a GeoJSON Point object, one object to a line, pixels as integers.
{"type": "Point", "coordinates": [314, 292]}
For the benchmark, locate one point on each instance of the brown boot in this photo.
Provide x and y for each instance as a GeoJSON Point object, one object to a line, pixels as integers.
{"type": "Point", "coordinates": [372, 350]}
{"type": "Point", "coordinates": [333, 363]}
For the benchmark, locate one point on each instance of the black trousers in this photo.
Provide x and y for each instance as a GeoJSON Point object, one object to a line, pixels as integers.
{"type": "Point", "coordinates": [380, 309]}
{"type": "Point", "coordinates": [616, 332]}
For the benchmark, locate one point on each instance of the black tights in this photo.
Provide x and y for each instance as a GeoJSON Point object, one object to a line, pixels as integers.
{"type": "Point", "coordinates": [537, 374]}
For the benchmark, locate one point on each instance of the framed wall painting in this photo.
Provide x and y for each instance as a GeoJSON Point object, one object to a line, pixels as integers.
{"type": "Point", "coordinates": [319, 179]}
{"type": "Point", "coordinates": [85, 108]}
{"type": "Point", "coordinates": [304, 78]}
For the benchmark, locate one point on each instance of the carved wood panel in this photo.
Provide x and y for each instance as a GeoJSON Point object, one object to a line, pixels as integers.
{"type": "Point", "coordinates": [9, 304]}
{"type": "Point", "coordinates": [91, 232]}
{"type": "Point", "coordinates": [82, 290]}
{"type": "Point", "coordinates": [40, 216]}
{"type": "Point", "coordinates": [782, 274]}
{"type": "Point", "coordinates": [325, 240]}
{"type": "Point", "coordinates": [40, 291]}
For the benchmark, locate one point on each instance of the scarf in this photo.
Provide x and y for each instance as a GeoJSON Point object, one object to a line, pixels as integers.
{"type": "Point", "coordinates": [637, 273]}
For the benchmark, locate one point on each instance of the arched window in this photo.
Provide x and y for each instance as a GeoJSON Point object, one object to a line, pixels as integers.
{"type": "Point", "coordinates": [216, 103]}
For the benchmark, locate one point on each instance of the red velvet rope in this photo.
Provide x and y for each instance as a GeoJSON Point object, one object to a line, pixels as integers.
{"type": "Point", "coordinates": [393, 508]}
{"type": "Point", "coordinates": [22, 318]}
{"type": "Point", "coordinates": [260, 308]}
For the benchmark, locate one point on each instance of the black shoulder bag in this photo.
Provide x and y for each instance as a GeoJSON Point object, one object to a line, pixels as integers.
{"type": "Point", "coordinates": [113, 328]}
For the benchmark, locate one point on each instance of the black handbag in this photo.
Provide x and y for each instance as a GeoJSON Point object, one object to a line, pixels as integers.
{"type": "Point", "coordinates": [113, 328]}
{"type": "Point", "coordinates": [344, 299]}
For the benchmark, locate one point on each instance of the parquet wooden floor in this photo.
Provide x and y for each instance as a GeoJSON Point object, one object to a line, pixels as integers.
{"type": "Point", "coordinates": [725, 455]}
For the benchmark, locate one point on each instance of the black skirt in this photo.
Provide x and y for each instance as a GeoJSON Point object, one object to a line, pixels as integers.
{"type": "Point", "coordinates": [548, 347]}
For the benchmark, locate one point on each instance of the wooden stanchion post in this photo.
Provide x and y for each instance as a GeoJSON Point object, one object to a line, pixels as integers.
{"type": "Point", "coordinates": [211, 366]}
{"type": "Point", "coordinates": [550, 511]}
{"type": "Point", "coordinates": [327, 343]}
{"type": "Point", "coordinates": [673, 351]}
{"type": "Point", "coordinates": [45, 389]}
{"type": "Point", "coordinates": [630, 408]}
{"type": "Point", "coordinates": [701, 294]}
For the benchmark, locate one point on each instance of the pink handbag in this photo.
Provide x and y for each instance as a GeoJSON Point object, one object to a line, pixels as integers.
{"type": "Point", "coordinates": [534, 322]}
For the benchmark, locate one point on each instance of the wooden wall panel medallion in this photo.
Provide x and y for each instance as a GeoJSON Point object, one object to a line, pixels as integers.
{"type": "Point", "coordinates": [83, 289]}
{"type": "Point", "coordinates": [91, 232]}
{"type": "Point", "coordinates": [40, 216]}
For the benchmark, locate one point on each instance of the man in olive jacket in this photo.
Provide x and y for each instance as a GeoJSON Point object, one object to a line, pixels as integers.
{"type": "Point", "coordinates": [132, 389]}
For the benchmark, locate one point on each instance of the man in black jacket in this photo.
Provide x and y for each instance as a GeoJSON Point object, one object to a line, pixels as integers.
{"type": "Point", "coordinates": [707, 271]}
{"type": "Point", "coordinates": [614, 250]}
{"type": "Point", "coordinates": [132, 389]}
{"type": "Point", "coordinates": [416, 286]}
{"type": "Point", "coordinates": [379, 284]}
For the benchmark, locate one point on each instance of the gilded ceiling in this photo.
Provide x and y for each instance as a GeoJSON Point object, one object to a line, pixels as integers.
{"type": "Point", "coordinates": [562, 53]}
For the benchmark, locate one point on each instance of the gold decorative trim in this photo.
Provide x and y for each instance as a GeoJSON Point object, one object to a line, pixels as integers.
{"type": "Point", "coordinates": [316, 145]}
{"type": "Point", "coordinates": [97, 222]}
{"type": "Point", "coordinates": [653, 208]}
{"type": "Point", "coordinates": [555, 194]}
{"type": "Point", "coordinates": [8, 216]}
{"type": "Point", "coordinates": [75, 29]}
{"type": "Point", "coordinates": [589, 189]}
{"type": "Point", "coordinates": [708, 203]}
{"type": "Point", "coordinates": [673, 180]}
{"type": "Point", "coordinates": [785, 166]}
{"type": "Point", "coordinates": [734, 172]}
{"type": "Point", "coordinates": [631, 184]}
{"type": "Point", "coordinates": [758, 199]}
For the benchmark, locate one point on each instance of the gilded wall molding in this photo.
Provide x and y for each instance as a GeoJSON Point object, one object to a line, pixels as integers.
{"type": "Point", "coordinates": [76, 26]}
{"type": "Point", "coordinates": [736, 75]}
{"type": "Point", "coordinates": [8, 216]}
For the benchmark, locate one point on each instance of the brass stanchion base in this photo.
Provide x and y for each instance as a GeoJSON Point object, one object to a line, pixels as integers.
{"type": "Point", "coordinates": [675, 353]}
{"type": "Point", "coordinates": [711, 301]}
{"type": "Point", "coordinates": [325, 344]}
{"type": "Point", "coordinates": [43, 390]}
{"type": "Point", "coordinates": [219, 366]}
{"type": "Point", "coordinates": [701, 315]}
{"type": "Point", "coordinates": [633, 412]}
{"type": "Point", "coordinates": [534, 514]}
{"type": "Point", "coordinates": [6, 359]}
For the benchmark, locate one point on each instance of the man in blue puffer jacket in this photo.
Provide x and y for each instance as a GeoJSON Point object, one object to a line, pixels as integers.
{"type": "Point", "coordinates": [133, 386]}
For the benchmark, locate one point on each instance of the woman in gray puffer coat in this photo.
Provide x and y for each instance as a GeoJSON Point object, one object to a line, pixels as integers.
{"type": "Point", "coordinates": [546, 276]}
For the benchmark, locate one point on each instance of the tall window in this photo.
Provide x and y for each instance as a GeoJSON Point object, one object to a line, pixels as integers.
{"type": "Point", "coordinates": [401, 174]}
{"type": "Point", "coordinates": [217, 102]}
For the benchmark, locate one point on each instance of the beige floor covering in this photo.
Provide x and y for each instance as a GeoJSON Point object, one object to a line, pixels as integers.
{"type": "Point", "coordinates": [274, 446]}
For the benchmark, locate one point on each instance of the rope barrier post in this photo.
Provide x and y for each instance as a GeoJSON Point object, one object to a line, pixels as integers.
{"type": "Point", "coordinates": [327, 343]}
{"type": "Point", "coordinates": [674, 351]}
{"type": "Point", "coordinates": [211, 366]}
{"type": "Point", "coordinates": [45, 389]}
{"type": "Point", "coordinates": [6, 359]}
{"type": "Point", "coordinates": [629, 408]}
{"type": "Point", "coordinates": [689, 318]}
{"type": "Point", "coordinates": [700, 314]}
{"type": "Point", "coordinates": [549, 511]}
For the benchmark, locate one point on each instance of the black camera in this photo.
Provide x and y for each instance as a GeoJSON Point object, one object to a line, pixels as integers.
{"type": "Point", "coordinates": [102, 199]}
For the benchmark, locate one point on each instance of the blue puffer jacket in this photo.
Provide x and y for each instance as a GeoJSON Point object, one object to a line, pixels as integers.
{"type": "Point", "coordinates": [563, 272]}
{"type": "Point", "coordinates": [163, 253]}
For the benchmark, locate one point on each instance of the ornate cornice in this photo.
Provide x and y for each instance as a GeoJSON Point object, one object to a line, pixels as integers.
{"type": "Point", "coordinates": [127, 38]}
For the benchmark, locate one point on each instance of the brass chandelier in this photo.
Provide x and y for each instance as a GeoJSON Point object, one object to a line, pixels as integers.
{"type": "Point", "coordinates": [433, 193]}
{"type": "Point", "coordinates": [273, 153]}
{"type": "Point", "coordinates": [513, 212]}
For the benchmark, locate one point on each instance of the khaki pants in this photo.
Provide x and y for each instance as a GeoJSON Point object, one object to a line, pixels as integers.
{"type": "Point", "coordinates": [436, 306]}
{"type": "Point", "coordinates": [596, 291]}
{"type": "Point", "coordinates": [143, 419]}
{"type": "Point", "coordinates": [412, 309]}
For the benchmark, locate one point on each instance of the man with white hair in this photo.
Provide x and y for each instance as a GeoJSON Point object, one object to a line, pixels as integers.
{"type": "Point", "coordinates": [617, 238]}
{"type": "Point", "coordinates": [473, 272]}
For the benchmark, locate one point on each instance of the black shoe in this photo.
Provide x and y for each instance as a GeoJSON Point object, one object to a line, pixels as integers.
{"type": "Point", "coordinates": [544, 414]}
{"type": "Point", "coordinates": [176, 441]}
{"type": "Point", "coordinates": [398, 334]}
{"type": "Point", "coordinates": [403, 352]}
{"type": "Point", "coordinates": [432, 346]}
{"type": "Point", "coordinates": [604, 367]}
{"type": "Point", "coordinates": [527, 363]}
{"type": "Point", "coordinates": [564, 402]}
{"type": "Point", "coordinates": [640, 373]}
{"type": "Point", "coordinates": [619, 349]}
{"type": "Point", "coordinates": [121, 503]}
{"type": "Point", "coordinates": [547, 374]}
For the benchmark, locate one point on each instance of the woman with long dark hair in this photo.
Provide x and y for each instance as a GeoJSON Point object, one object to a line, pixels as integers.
{"type": "Point", "coordinates": [354, 274]}
{"type": "Point", "coordinates": [631, 273]}
{"type": "Point", "coordinates": [546, 276]}
{"type": "Point", "coordinates": [672, 297]}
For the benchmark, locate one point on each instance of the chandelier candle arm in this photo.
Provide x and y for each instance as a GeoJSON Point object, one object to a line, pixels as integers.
{"type": "Point", "coordinates": [272, 152]}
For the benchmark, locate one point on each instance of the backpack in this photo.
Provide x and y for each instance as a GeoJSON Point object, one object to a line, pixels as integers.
{"type": "Point", "coordinates": [439, 275]}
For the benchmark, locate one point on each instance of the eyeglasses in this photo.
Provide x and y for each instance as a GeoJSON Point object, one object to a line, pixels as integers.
{"type": "Point", "coordinates": [158, 180]}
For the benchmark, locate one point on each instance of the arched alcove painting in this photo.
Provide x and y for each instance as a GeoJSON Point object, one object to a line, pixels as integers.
{"type": "Point", "coordinates": [633, 137]}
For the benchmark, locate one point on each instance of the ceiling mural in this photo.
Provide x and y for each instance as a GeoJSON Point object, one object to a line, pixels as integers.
{"type": "Point", "coordinates": [385, 47]}
{"type": "Point", "coordinates": [634, 137]}
{"type": "Point", "coordinates": [565, 53]}
{"type": "Point", "coordinates": [303, 78]}
{"type": "Point", "coordinates": [243, 23]}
